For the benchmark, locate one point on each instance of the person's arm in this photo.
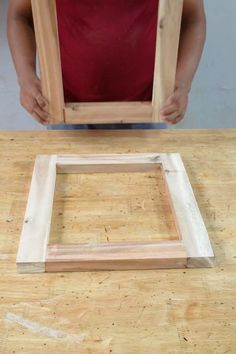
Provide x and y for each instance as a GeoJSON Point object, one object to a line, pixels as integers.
{"type": "Point", "coordinates": [192, 39]}
{"type": "Point", "coordinates": [23, 49]}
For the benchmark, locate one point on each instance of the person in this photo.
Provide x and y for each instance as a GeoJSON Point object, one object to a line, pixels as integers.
{"type": "Point", "coordinates": [113, 52]}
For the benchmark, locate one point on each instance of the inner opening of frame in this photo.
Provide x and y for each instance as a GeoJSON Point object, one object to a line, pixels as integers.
{"type": "Point", "coordinates": [113, 49]}
{"type": "Point", "coordinates": [112, 207]}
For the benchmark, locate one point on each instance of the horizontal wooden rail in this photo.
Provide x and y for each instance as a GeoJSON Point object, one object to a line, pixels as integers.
{"type": "Point", "coordinates": [111, 256]}
{"type": "Point", "coordinates": [107, 112]}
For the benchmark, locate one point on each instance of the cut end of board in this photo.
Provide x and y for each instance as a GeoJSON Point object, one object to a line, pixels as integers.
{"type": "Point", "coordinates": [30, 267]}
{"type": "Point", "coordinates": [201, 262]}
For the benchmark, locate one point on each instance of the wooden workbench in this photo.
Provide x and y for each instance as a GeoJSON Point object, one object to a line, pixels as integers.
{"type": "Point", "coordinates": [163, 311]}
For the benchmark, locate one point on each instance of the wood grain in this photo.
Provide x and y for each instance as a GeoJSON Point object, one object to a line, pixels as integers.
{"type": "Point", "coordinates": [45, 27]}
{"type": "Point", "coordinates": [108, 112]}
{"type": "Point", "coordinates": [37, 221]}
{"type": "Point", "coordinates": [108, 163]}
{"type": "Point", "coordinates": [168, 33]}
{"type": "Point", "coordinates": [188, 218]}
{"type": "Point", "coordinates": [116, 256]}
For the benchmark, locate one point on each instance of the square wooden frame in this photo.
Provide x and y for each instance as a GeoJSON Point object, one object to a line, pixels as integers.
{"type": "Point", "coordinates": [168, 32]}
{"type": "Point", "coordinates": [193, 249]}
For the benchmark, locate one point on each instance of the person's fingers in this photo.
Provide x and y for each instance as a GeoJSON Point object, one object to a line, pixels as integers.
{"type": "Point", "coordinates": [36, 93]}
{"type": "Point", "coordinates": [171, 108]}
{"type": "Point", "coordinates": [174, 107]}
{"type": "Point", "coordinates": [42, 102]}
{"type": "Point", "coordinates": [176, 120]}
{"type": "Point", "coordinates": [43, 115]}
{"type": "Point", "coordinates": [171, 117]}
{"type": "Point", "coordinates": [32, 107]}
{"type": "Point", "coordinates": [38, 118]}
{"type": "Point", "coordinates": [38, 113]}
{"type": "Point", "coordinates": [35, 108]}
{"type": "Point", "coordinates": [40, 99]}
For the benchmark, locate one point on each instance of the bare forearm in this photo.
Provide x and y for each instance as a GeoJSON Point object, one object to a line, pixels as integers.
{"type": "Point", "coordinates": [192, 41]}
{"type": "Point", "coordinates": [190, 50]}
{"type": "Point", "coordinates": [23, 48]}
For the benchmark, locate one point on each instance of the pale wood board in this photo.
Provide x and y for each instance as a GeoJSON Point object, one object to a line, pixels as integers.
{"type": "Point", "coordinates": [103, 112]}
{"type": "Point", "coordinates": [116, 256]}
{"type": "Point", "coordinates": [37, 221]}
{"type": "Point", "coordinates": [168, 33]}
{"type": "Point", "coordinates": [45, 28]}
{"type": "Point", "coordinates": [188, 217]}
{"type": "Point", "coordinates": [157, 311]}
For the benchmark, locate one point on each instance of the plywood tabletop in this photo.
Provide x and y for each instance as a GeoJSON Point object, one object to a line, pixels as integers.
{"type": "Point", "coordinates": [161, 311]}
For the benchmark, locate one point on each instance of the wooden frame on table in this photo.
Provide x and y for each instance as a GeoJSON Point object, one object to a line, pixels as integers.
{"type": "Point", "coordinates": [168, 31]}
{"type": "Point", "coordinates": [193, 249]}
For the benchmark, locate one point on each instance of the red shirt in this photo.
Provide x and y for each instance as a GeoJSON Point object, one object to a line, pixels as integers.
{"type": "Point", "coordinates": [107, 49]}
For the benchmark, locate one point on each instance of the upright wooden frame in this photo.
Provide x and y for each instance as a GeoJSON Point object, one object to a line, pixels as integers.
{"type": "Point", "coordinates": [193, 249]}
{"type": "Point", "coordinates": [168, 31]}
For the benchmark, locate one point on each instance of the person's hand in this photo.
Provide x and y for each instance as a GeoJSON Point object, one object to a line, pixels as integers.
{"type": "Point", "coordinates": [174, 108]}
{"type": "Point", "coordinates": [32, 100]}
